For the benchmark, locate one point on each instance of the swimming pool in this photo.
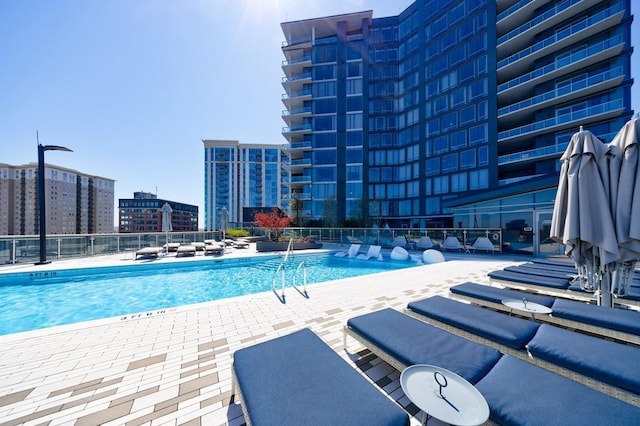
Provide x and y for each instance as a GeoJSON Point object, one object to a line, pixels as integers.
{"type": "Point", "coordinates": [30, 301]}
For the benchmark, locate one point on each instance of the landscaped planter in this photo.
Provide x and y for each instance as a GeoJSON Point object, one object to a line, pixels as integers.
{"type": "Point", "coordinates": [283, 245]}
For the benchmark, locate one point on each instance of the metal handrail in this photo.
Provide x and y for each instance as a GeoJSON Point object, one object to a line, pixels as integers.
{"type": "Point", "coordinates": [304, 277]}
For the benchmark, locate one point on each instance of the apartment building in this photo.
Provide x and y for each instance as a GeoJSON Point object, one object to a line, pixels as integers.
{"type": "Point", "coordinates": [239, 176]}
{"type": "Point", "coordinates": [143, 213]}
{"type": "Point", "coordinates": [452, 113]}
{"type": "Point", "coordinates": [75, 202]}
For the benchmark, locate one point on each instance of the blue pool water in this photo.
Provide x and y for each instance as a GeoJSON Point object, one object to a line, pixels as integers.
{"type": "Point", "coordinates": [30, 301]}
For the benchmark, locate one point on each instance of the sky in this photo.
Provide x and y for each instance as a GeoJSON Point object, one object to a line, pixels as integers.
{"type": "Point", "coordinates": [133, 87]}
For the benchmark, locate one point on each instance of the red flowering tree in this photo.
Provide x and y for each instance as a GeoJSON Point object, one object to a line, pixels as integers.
{"type": "Point", "coordinates": [273, 222]}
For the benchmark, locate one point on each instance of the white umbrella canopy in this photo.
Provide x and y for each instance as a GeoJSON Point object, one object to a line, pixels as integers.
{"type": "Point", "coordinates": [625, 201]}
{"type": "Point", "coordinates": [582, 218]}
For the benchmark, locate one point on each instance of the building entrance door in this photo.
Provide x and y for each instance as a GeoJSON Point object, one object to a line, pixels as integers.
{"type": "Point", "coordinates": [543, 245]}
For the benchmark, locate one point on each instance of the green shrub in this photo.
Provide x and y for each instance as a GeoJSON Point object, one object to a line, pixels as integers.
{"type": "Point", "coordinates": [235, 233]}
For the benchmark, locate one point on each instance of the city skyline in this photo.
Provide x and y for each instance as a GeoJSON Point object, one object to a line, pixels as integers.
{"type": "Point", "coordinates": [133, 88]}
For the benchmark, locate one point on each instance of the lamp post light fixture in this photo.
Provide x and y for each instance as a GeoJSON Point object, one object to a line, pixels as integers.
{"type": "Point", "coordinates": [41, 198]}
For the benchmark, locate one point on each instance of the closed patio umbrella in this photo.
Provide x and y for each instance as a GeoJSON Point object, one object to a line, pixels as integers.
{"type": "Point", "coordinates": [166, 211]}
{"type": "Point", "coordinates": [582, 219]}
{"type": "Point", "coordinates": [224, 221]}
{"type": "Point", "coordinates": [625, 202]}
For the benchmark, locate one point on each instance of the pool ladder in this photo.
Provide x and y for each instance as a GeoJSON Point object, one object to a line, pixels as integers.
{"type": "Point", "coordinates": [282, 271]}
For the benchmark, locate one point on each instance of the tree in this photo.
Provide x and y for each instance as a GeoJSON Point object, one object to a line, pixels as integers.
{"type": "Point", "coordinates": [273, 222]}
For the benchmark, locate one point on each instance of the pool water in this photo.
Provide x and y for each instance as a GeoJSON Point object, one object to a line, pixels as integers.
{"type": "Point", "coordinates": [30, 301]}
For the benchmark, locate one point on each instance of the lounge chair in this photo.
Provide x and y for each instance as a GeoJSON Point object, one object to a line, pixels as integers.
{"type": "Point", "coordinates": [351, 253]}
{"type": "Point", "coordinates": [452, 243]}
{"type": "Point", "coordinates": [503, 380]}
{"type": "Point", "coordinates": [483, 244]}
{"type": "Point", "coordinates": [424, 243]}
{"type": "Point", "coordinates": [542, 283]}
{"type": "Point", "coordinates": [601, 364]}
{"type": "Point", "coordinates": [216, 249]}
{"type": "Point", "coordinates": [171, 247]}
{"type": "Point", "coordinates": [401, 241]}
{"type": "Point", "coordinates": [373, 252]}
{"type": "Point", "coordinates": [298, 379]}
{"type": "Point", "coordinates": [186, 250]}
{"type": "Point", "coordinates": [150, 252]}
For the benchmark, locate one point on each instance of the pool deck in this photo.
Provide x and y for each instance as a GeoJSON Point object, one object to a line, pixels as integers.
{"type": "Point", "coordinates": [174, 366]}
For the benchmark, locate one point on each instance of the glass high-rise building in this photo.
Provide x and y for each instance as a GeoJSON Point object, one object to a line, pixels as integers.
{"type": "Point", "coordinates": [453, 113]}
{"type": "Point", "coordinates": [239, 175]}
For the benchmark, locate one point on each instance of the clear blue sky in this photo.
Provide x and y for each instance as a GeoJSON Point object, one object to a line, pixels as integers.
{"type": "Point", "coordinates": [134, 86]}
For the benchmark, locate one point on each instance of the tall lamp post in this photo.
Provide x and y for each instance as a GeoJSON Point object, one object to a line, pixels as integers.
{"type": "Point", "coordinates": [41, 198]}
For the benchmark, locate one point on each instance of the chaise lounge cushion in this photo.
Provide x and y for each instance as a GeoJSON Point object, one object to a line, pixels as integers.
{"type": "Point", "coordinates": [509, 331]}
{"type": "Point", "coordinates": [623, 320]}
{"type": "Point", "coordinates": [411, 341]}
{"type": "Point", "coordinates": [538, 280]}
{"type": "Point", "coordinates": [298, 379]}
{"type": "Point", "coordinates": [519, 393]}
{"type": "Point", "coordinates": [606, 361]}
{"type": "Point", "coordinates": [497, 294]}
{"type": "Point", "coordinates": [524, 269]}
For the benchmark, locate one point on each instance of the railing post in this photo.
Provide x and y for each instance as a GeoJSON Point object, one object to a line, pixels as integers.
{"type": "Point", "coordinates": [13, 251]}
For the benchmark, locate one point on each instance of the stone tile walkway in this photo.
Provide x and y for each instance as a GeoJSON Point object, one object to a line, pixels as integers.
{"type": "Point", "coordinates": [174, 366]}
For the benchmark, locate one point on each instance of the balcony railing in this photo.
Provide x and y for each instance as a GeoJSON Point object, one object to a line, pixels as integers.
{"type": "Point", "coordinates": [565, 61]}
{"type": "Point", "coordinates": [293, 61]}
{"type": "Point", "coordinates": [296, 77]}
{"type": "Point", "coordinates": [301, 128]}
{"type": "Point", "coordinates": [513, 9]}
{"type": "Point", "coordinates": [579, 115]}
{"type": "Point", "coordinates": [296, 94]}
{"type": "Point", "coordinates": [532, 154]}
{"type": "Point", "coordinates": [561, 91]}
{"type": "Point", "coordinates": [564, 33]}
{"type": "Point", "coordinates": [537, 20]}
{"type": "Point", "coordinates": [293, 42]}
{"type": "Point", "coordinates": [296, 111]}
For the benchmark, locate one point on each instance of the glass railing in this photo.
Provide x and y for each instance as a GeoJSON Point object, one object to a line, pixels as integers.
{"type": "Point", "coordinates": [564, 33]}
{"type": "Point", "coordinates": [296, 77]}
{"type": "Point", "coordinates": [292, 61]}
{"type": "Point", "coordinates": [301, 162]}
{"type": "Point", "coordinates": [300, 128]}
{"type": "Point", "coordinates": [561, 91]}
{"type": "Point", "coordinates": [300, 145]}
{"type": "Point", "coordinates": [299, 179]}
{"type": "Point", "coordinates": [296, 111]}
{"type": "Point", "coordinates": [25, 249]}
{"type": "Point", "coordinates": [563, 62]}
{"type": "Point", "coordinates": [537, 20]}
{"type": "Point", "coordinates": [532, 154]}
{"type": "Point", "coordinates": [293, 42]}
{"type": "Point", "coordinates": [513, 9]}
{"type": "Point", "coordinates": [579, 115]}
{"type": "Point", "coordinates": [296, 94]}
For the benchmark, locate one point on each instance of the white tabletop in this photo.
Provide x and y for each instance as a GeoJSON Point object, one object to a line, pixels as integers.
{"type": "Point", "coordinates": [531, 307]}
{"type": "Point", "coordinates": [419, 384]}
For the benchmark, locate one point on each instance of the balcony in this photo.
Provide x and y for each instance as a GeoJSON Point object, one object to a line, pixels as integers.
{"type": "Point", "coordinates": [518, 13]}
{"type": "Point", "coordinates": [532, 154]}
{"type": "Point", "coordinates": [297, 129]}
{"type": "Point", "coordinates": [299, 146]}
{"type": "Point", "coordinates": [297, 42]}
{"type": "Point", "coordinates": [517, 87]}
{"type": "Point", "coordinates": [580, 30]}
{"type": "Point", "coordinates": [575, 90]}
{"type": "Point", "coordinates": [525, 33]}
{"type": "Point", "coordinates": [565, 121]}
{"type": "Point", "coordinates": [296, 111]}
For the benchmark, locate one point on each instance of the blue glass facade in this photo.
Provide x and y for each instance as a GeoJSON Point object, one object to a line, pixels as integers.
{"type": "Point", "coordinates": [451, 102]}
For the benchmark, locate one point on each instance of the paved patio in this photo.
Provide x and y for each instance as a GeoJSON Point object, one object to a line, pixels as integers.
{"type": "Point", "coordinates": [174, 366]}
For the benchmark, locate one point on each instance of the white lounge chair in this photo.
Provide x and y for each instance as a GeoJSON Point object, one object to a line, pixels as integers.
{"type": "Point", "coordinates": [150, 252]}
{"type": "Point", "coordinates": [483, 243]}
{"type": "Point", "coordinates": [352, 252]}
{"type": "Point", "coordinates": [186, 250]}
{"type": "Point", "coordinates": [424, 243]}
{"type": "Point", "coordinates": [401, 241]}
{"type": "Point", "coordinates": [452, 243]}
{"type": "Point", "coordinates": [373, 252]}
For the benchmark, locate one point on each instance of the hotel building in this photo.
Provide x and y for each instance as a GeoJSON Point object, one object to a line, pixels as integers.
{"type": "Point", "coordinates": [76, 203]}
{"type": "Point", "coordinates": [239, 176]}
{"type": "Point", "coordinates": [453, 113]}
{"type": "Point", "coordinates": [142, 213]}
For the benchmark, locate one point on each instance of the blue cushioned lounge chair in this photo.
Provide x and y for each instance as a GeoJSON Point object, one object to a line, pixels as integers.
{"type": "Point", "coordinates": [517, 392]}
{"type": "Point", "coordinates": [298, 380]}
{"type": "Point", "coordinates": [613, 323]}
{"type": "Point", "coordinates": [606, 366]}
